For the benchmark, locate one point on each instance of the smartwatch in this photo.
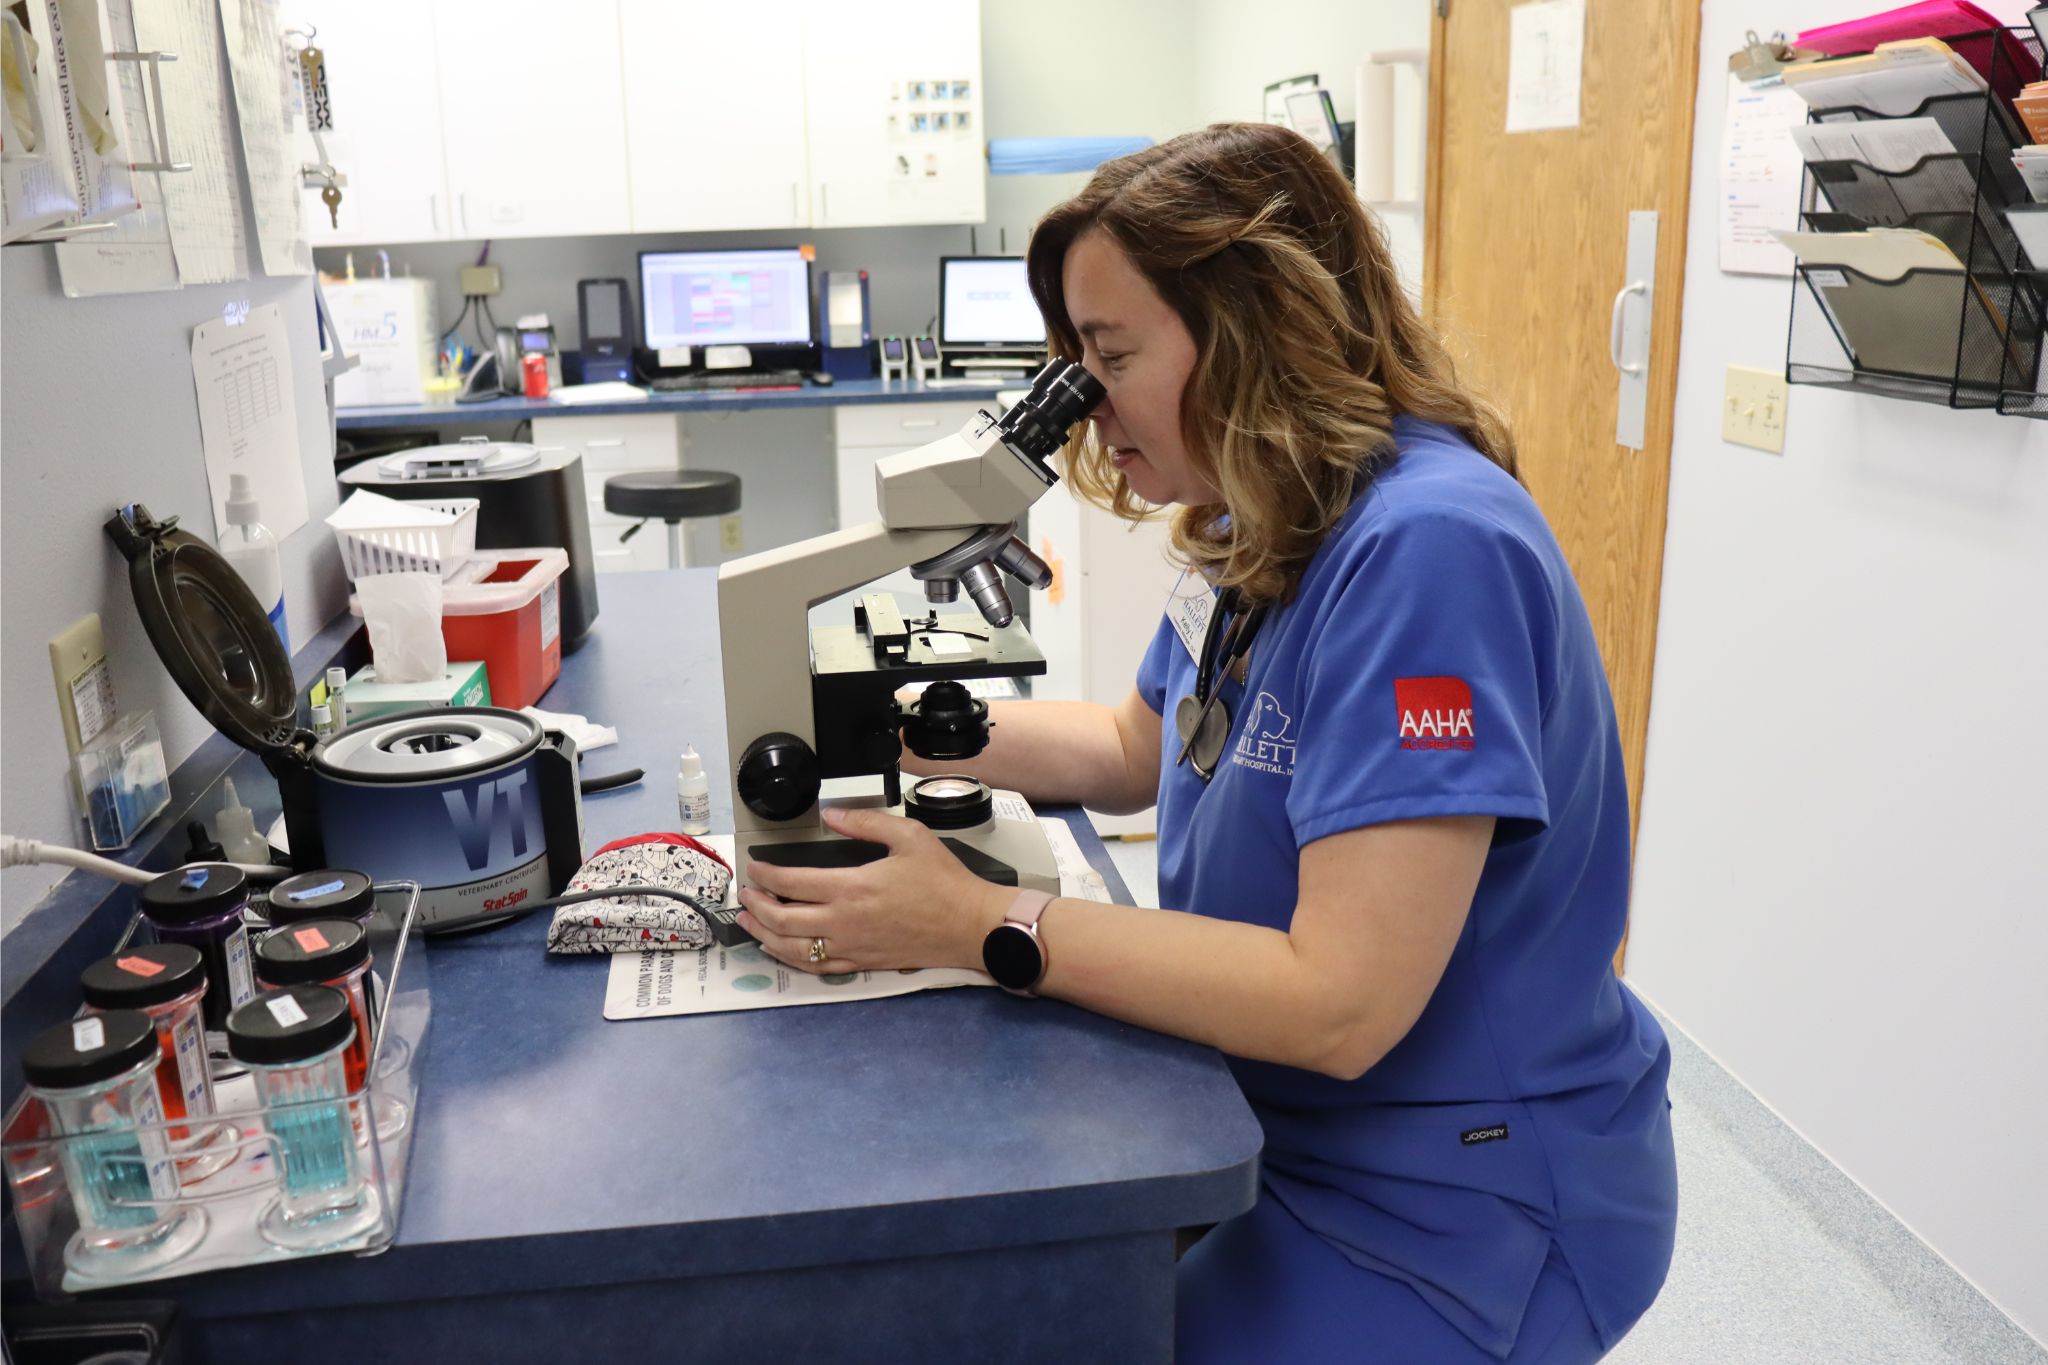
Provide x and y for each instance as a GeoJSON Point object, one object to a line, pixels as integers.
{"type": "Point", "coordinates": [1013, 953]}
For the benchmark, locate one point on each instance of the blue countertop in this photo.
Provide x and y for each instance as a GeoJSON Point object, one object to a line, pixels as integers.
{"type": "Point", "coordinates": [845, 393]}
{"type": "Point", "coordinates": [555, 1149]}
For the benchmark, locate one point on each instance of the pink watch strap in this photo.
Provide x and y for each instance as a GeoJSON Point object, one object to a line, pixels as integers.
{"type": "Point", "coordinates": [1028, 906]}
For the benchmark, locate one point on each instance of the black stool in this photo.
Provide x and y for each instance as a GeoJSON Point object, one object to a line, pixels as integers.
{"type": "Point", "coordinates": [671, 495]}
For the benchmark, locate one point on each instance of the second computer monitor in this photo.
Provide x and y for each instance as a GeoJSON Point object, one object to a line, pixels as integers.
{"type": "Point", "coordinates": [759, 298]}
{"type": "Point", "coordinates": [985, 301]}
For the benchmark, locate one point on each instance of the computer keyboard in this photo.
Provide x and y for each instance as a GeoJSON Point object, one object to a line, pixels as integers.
{"type": "Point", "coordinates": [724, 379]}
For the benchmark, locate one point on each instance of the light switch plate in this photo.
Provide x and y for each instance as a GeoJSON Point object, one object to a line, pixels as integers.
{"type": "Point", "coordinates": [1753, 413]}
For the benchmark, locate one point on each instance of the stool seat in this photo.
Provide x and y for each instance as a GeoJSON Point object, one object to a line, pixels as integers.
{"type": "Point", "coordinates": [672, 494]}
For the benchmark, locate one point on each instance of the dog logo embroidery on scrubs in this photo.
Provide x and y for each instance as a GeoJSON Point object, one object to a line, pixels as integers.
{"type": "Point", "coordinates": [1267, 743]}
{"type": "Point", "coordinates": [1436, 713]}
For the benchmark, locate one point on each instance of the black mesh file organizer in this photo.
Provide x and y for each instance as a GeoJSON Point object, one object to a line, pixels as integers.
{"type": "Point", "coordinates": [1971, 337]}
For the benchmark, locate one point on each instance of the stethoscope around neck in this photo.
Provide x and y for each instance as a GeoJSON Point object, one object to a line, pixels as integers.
{"type": "Point", "coordinates": [1201, 719]}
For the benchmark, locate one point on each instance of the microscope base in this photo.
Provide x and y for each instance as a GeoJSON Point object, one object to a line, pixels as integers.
{"type": "Point", "coordinates": [1008, 852]}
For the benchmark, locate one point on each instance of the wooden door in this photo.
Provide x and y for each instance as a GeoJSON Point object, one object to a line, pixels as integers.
{"type": "Point", "coordinates": [1526, 242]}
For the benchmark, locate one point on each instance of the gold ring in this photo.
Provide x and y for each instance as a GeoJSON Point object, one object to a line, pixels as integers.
{"type": "Point", "coordinates": [817, 950]}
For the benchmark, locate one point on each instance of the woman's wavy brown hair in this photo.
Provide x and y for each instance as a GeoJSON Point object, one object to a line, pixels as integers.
{"type": "Point", "coordinates": [1307, 347]}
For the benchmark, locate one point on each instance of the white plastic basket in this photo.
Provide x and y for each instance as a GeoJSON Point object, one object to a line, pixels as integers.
{"type": "Point", "coordinates": [367, 550]}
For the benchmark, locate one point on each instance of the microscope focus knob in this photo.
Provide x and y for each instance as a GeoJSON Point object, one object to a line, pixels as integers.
{"type": "Point", "coordinates": [778, 776]}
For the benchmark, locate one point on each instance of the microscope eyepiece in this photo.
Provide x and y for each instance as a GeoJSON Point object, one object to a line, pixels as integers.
{"type": "Point", "coordinates": [1061, 395]}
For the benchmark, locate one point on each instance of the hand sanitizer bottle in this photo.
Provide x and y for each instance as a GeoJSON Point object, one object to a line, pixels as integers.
{"type": "Point", "coordinates": [250, 546]}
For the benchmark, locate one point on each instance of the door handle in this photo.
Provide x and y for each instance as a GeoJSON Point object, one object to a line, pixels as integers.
{"type": "Point", "coordinates": [462, 207]}
{"type": "Point", "coordinates": [795, 208]}
{"type": "Point", "coordinates": [610, 443]}
{"type": "Point", "coordinates": [434, 212]}
{"type": "Point", "coordinates": [825, 202]}
{"type": "Point", "coordinates": [1614, 326]}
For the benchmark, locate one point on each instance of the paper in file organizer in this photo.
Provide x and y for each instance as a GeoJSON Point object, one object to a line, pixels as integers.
{"type": "Point", "coordinates": [1892, 319]}
{"type": "Point", "coordinates": [1893, 80]}
{"type": "Point", "coordinates": [1892, 146]}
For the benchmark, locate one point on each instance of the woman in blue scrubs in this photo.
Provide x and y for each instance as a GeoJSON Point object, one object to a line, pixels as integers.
{"type": "Point", "coordinates": [1395, 849]}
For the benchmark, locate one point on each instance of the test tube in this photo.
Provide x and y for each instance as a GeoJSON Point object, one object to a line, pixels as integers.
{"type": "Point", "coordinates": [96, 1077]}
{"type": "Point", "coordinates": [292, 1041]}
{"type": "Point", "coordinates": [167, 981]}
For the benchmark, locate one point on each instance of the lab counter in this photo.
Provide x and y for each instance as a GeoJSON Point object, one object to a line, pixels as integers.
{"type": "Point", "coordinates": [845, 393]}
{"type": "Point", "coordinates": [951, 1175]}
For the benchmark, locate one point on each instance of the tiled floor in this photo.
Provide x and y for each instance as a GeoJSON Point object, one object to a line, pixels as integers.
{"type": "Point", "coordinates": [1780, 1257]}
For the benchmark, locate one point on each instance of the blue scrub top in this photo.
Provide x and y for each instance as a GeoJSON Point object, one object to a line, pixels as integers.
{"type": "Point", "coordinates": [1438, 660]}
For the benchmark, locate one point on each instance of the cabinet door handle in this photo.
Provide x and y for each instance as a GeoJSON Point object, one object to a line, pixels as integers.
{"type": "Point", "coordinates": [914, 423]}
{"type": "Point", "coordinates": [825, 202]}
{"type": "Point", "coordinates": [462, 207]}
{"type": "Point", "coordinates": [795, 208]}
{"type": "Point", "coordinates": [610, 443]}
{"type": "Point", "coordinates": [434, 212]}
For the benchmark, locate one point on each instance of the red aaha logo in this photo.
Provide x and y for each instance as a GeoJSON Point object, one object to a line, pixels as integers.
{"type": "Point", "coordinates": [505, 902]}
{"type": "Point", "coordinates": [1436, 713]}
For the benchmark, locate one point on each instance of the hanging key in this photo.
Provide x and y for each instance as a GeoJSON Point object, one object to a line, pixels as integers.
{"type": "Point", "coordinates": [313, 73]}
{"type": "Point", "coordinates": [331, 196]}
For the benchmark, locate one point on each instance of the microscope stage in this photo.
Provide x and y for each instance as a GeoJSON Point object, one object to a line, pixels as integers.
{"type": "Point", "coordinates": [958, 646]}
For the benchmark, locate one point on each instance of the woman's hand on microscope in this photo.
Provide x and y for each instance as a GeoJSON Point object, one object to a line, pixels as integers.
{"type": "Point", "coordinates": [917, 907]}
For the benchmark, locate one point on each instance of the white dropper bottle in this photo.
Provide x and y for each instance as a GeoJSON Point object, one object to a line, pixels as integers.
{"type": "Point", "coordinates": [235, 824]}
{"type": "Point", "coordinates": [693, 794]}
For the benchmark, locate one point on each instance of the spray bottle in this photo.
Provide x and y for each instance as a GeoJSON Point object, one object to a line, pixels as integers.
{"type": "Point", "coordinates": [251, 547]}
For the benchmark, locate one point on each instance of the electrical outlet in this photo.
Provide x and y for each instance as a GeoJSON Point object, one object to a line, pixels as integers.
{"type": "Point", "coordinates": [1753, 413]}
{"type": "Point", "coordinates": [729, 539]}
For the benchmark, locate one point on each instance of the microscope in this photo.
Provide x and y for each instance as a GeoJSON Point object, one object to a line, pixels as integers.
{"type": "Point", "coordinates": [805, 706]}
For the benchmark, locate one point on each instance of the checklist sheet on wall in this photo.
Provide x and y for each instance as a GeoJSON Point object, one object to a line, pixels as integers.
{"type": "Point", "coordinates": [248, 420]}
{"type": "Point", "coordinates": [1761, 173]}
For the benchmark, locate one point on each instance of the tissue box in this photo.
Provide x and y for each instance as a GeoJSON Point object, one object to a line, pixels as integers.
{"type": "Point", "coordinates": [364, 698]}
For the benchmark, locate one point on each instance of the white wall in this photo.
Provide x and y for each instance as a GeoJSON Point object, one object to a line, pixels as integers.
{"type": "Point", "coordinates": [1241, 49]}
{"type": "Point", "coordinates": [1840, 867]}
{"type": "Point", "coordinates": [100, 410]}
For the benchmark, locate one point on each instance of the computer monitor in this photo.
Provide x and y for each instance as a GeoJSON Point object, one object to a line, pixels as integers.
{"type": "Point", "coordinates": [759, 297]}
{"type": "Point", "coordinates": [986, 301]}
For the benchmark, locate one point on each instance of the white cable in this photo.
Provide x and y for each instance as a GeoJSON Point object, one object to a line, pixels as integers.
{"type": "Point", "coordinates": [22, 852]}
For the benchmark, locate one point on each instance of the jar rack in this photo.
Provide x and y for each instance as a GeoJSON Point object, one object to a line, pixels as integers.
{"type": "Point", "coordinates": [233, 1199]}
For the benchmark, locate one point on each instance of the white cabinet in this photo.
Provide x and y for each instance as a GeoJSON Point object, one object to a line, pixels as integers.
{"type": "Point", "coordinates": [1110, 584]}
{"type": "Point", "coordinates": [533, 118]}
{"type": "Point", "coordinates": [894, 111]}
{"type": "Point", "coordinates": [382, 69]}
{"type": "Point", "coordinates": [714, 104]}
{"type": "Point", "coordinates": [618, 444]}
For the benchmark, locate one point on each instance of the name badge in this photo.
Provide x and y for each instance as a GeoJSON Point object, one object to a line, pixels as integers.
{"type": "Point", "coordinates": [1191, 614]}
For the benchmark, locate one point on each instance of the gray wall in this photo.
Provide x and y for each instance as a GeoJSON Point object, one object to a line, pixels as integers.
{"type": "Point", "coordinates": [97, 409]}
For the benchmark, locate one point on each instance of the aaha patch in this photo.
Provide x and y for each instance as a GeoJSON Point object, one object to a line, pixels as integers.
{"type": "Point", "coordinates": [1434, 713]}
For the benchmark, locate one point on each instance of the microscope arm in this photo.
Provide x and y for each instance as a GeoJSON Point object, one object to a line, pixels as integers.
{"type": "Point", "coordinates": [764, 629]}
